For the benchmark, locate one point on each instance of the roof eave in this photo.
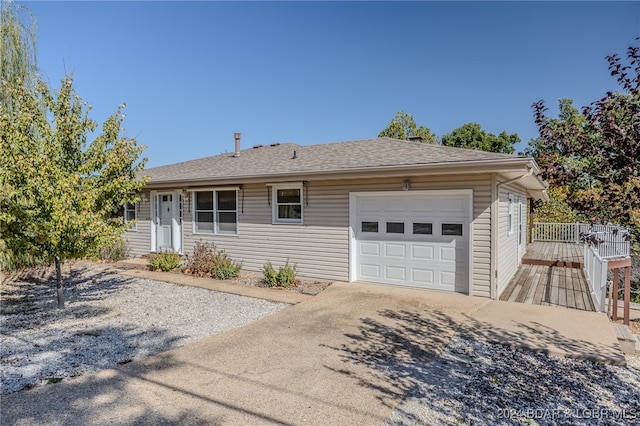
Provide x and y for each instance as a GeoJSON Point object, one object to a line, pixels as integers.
{"type": "Point", "coordinates": [455, 167]}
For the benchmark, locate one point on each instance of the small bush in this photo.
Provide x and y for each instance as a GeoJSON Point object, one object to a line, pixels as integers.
{"type": "Point", "coordinates": [285, 277]}
{"type": "Point", "coordinates": [112, 252]}
{"type": "Point", "coordinates": [207, 261]}
{"type": "Point", "coordinates": [166, 261]}
{"type": "Point", "coordinates": [224, 268]}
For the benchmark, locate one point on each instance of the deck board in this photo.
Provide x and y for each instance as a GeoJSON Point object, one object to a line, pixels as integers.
{"type": "Point", "coordinates": [551, 274]}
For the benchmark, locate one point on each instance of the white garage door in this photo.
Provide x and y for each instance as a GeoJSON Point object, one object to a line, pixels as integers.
{"type": "Point", "coordinates": [418, 238]}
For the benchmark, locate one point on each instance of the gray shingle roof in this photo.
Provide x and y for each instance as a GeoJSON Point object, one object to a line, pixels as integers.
{"type": "Point", "coordinates": [331, 157]}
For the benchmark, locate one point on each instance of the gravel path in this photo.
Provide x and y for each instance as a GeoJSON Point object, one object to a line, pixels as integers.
{"type": "Point", "coordinates": [109, 319]}
{"type": "Point", "coordinates": [473, 382]}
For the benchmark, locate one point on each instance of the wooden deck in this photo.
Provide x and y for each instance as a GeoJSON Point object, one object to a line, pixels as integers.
{"type": "Point", "coordinates": [552, 275]}
{"type": "Point", "coordinates": [554, 254]}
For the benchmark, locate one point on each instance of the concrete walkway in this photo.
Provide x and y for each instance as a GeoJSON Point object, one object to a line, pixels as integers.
{"type": "Point", "coordinates": [330, 359]}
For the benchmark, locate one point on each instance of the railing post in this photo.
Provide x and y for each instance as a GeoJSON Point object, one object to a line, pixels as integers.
{"type": "Point", "coordinates": [603, 284]}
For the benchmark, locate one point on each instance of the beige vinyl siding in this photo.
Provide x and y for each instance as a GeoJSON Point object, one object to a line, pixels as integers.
{"type": "Point", "coordinates": [139, 240]}
{"type": "Point", "coordinates": [509, 255]}
{"type": "Point", "coordinates": [320, 246]}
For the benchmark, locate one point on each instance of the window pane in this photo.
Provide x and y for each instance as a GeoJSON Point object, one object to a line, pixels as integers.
{"type": "Point", "coordinates": [204, 200]}
{"type": "Point", "coordinates": [204, 221]}
{"type": "Point", "coordinates": [288, 196]}
{"type": "Point", "coordinates": [395, 227]}
{"type": "Point", "coordinates": [369, 227]}
{"type": "Point", "coordinates": [452, 229]}
{"type": "Point", "coordinates": [290, 212]}
{"type": "Point", "coordinates": [131, 215]}
{"type": "Point", "coordinates": [226, 223]}
{"type": "Point", "coordinates": [226, 200]}
{"type": "Point", "coordinates": [423, 228]}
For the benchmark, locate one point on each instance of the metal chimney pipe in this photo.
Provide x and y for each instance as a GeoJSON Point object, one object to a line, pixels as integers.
{"type": "Point", "coordinates": [237, 137]}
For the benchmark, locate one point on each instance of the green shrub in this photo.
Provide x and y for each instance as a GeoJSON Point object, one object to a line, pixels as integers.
{"type": "Point", "coordinates": [270, 275]}
{"type": "Point", "coordinates": [285, 276]}
{"type": "Point", "coordinates": [166, 261]}
{"type": "Point", "coordinates": [112, 252]}
{"type": "Point", "coordinates": [224, 268]}
{"type": "Point", "coordinates": [207, 261]}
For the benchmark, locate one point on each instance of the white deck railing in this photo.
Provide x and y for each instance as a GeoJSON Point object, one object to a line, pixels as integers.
{"type": "Point", "coordinates": [610, 241]}
{"type": "Point", "coordinates": [601, 244]}
{"type": "Point", "coordinates": [596, 268]}
{"type": "Point", "coordinates": [557, 232]}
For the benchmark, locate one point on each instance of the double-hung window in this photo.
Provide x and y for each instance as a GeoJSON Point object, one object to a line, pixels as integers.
{"type": "Point", "coordinates": [128, 214]}
{"type": "Point", "coordinates": [215, 212]}
{"type": "Point", "coordinates": [287, 203]}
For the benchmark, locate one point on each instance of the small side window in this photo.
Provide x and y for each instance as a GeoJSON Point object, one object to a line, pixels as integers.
{"type": "Point", "coordinates": [452, 229]}
{"type": "Point", "coordinates": [395, 227]}
{"type": "Point", "coordinates": [422, 228]}
{"type": "Point", "coordinates": [369, 227]}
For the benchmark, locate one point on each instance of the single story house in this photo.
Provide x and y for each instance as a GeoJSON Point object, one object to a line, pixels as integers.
{"type": "Point", "coordinates": [376, 210]}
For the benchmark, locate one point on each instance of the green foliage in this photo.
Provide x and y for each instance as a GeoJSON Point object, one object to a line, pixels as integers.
{"type": "Point", "coordinates": [557, 210]}
{"type": "Point", "coordinates": [165, 261]}
{"type": "Point", "coordinates": [403, 126]}
{"type": "Point", "coordinates": [225, 268]}
{"type": "Point", "coordinates": [18, 36]}
{"type": "Point", "coordinates": [285, 277]}
{"type": "Point", "coordinates": [58, 193]}
{"type": "Point", "coordinates": [112, 252]}
{"type": "Point", "coordinates": [595, 152]}
{"type": "Point", "coordinates": [471, 136]}
{"type": "Point", "coordinates": [208, 261]}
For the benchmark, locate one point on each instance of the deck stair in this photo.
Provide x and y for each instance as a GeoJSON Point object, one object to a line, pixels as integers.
{"type": "Point", "coordinates": [629, 343]}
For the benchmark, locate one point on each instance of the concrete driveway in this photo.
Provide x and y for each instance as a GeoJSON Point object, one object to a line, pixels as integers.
{"type": "Point", "coordinates": [336, 358]}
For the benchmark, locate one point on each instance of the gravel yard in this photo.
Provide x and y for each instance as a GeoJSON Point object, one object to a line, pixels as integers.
{"type": "Point", "coordinates": [112, 319]}
{"type": "Point", "coordinates": [481, 383]}
{"type": "Point", "coordinates": [109, 319]}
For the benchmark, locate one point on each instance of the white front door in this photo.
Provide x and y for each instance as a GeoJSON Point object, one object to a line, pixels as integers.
{"type": "Point", "coordinates": [165, 222]}
{"type": "Point", "coordinates": [415, 238]}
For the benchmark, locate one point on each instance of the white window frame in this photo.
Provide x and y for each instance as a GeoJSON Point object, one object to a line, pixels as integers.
{"type": "Point", "coordinates": [274, 203]}
{"type": "Point", "coordinates": [127, 208]}
{"type": "Point", "coordinates": [215, 210]}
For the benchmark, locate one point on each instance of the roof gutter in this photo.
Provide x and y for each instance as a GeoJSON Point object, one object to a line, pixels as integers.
{"type": "Point", "coordinates": [496, 166]}
{"type": "Point", "coordinates": [533, 169]}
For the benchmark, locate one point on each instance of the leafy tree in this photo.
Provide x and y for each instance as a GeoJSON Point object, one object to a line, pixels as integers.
{"type": "Point", "coordinates": [17, 67]}
{"type": "Point", "coordinates": [17, 44]}
{"type": "Point", "coordinates": [596, 154]}
{"type": "Point", "coordinates": [58, 194]}
{"type": "Point", "coordinates": [403, 126]}
{"type": "Point", "coordinates": [471, 136]}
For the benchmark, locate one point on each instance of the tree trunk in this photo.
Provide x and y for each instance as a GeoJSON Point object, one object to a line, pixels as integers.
{"type": "Point", "coordinates": [59, 283]}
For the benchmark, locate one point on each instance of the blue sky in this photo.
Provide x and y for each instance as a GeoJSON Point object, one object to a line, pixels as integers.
{"type": "Point", "coordinates": [193, 73]}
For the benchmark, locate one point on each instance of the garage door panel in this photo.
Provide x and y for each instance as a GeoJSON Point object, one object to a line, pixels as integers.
{"type": "Point", "coordinates": [370, 248]}
{"type": "Point", "coordinates": [370, 271]}
{"type": "Point", "coordinates": [425, 205]}
{"type": "Point", "coordinates": [395, 205]}
{"type": "Point", "coordinates": [422, 276]}
{"type": "Point", "coordinates": [395, 273]}
{"type": "Point", "coordinates": [420, 256]}
{"type": "Point", "coordinates": [448, 254]}
{"type": "Point", "coordinates": [422, 252]}
{"type": "Point", "coordinates": [395, 250]}
{"type": "Point", "coordinates": [453, 205]}
{"type": "Point", "coordinates": [368, 205]}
